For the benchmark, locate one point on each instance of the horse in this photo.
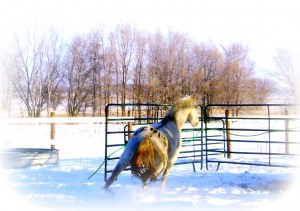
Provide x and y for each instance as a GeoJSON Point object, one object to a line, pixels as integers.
{"type": "Point", "coordinates": [153, 149]}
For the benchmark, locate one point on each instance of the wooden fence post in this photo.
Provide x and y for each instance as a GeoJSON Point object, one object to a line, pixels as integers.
{"type": "Point", "coordinates": [287, 149]}
{"type": "Point", "coordinates": [228, 138]}
{"type": "Point", "coordinates": [52, 130]}
{"type": "Point", "coordinates": [129, 125]}
{"type": "Point", "coordinates": [129, 130]}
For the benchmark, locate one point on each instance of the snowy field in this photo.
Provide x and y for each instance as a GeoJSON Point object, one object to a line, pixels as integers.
{"type": "Point", "coordinates": [66, 187]}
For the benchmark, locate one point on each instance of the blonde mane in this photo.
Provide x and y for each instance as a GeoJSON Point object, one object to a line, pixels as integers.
{"type": "Point", "coordinates": [186, 102]}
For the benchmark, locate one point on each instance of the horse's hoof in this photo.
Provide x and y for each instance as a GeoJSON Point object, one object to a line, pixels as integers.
{"type": "Point", "coordinates": [145, 187]}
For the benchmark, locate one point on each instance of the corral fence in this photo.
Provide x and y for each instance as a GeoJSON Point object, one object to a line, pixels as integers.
{"type": "Point", "coordinates": [261, 134]}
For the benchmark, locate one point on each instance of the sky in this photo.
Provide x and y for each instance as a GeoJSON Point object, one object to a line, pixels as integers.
{"type": "Point", "coordinates": [262, 25]}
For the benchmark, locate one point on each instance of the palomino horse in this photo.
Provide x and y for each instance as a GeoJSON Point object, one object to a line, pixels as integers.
{"type": "Point", "coordinates": [153, 149]}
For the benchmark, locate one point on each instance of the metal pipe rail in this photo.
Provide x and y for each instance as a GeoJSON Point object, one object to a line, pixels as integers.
{"type": "Point", "coordinates": [265, 136]}
{"type": "Point", "coordinates": [267, 140]}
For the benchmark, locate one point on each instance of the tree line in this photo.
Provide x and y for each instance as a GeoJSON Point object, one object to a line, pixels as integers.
{"type": "Point", "coordinates": [90, 70]}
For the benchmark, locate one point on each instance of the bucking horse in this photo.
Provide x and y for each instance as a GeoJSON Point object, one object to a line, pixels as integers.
{"type": "Point", "coordinates": [153, 149]}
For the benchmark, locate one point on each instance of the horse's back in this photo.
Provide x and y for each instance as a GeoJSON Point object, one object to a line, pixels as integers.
{"type": "Point", "coordinates": [138, 136]}
{"type": "Point", "coordinates": [170, 130]}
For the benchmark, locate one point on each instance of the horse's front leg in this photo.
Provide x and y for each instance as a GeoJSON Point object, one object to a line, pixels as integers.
{"type": "Point", "coordinates": [117, 170]}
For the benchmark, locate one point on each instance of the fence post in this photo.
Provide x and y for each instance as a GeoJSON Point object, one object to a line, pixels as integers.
{"type": "Point", "coordinates": [52, 130]}
{"type": "Point", "coordinates": [287, 149]}
{"type": "Point", "coordinates": [129, 130]}
{"type": "Point", "coordinates": [228, 138]}
{"type": "Point", "coordinates": [129, 125]}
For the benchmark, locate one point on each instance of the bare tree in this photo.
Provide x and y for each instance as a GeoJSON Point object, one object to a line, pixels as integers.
{"type": "Point", "coordinates": [176, 62]}
{"type": "Point", "coordinates": [110, 68]}
{"type": "Point", "coordinates": [127, 65]}
{"type": "Point", "coordinates": [260, 90]}
{"type": "Point", "coordinates": [53, 68]}
{"type": "Point", "coordinates": [236, 75]}
{"type": "Point", "coordinates": [6, 86]}
{"type": "Point", "coordinates": [287, 72]}
{"type": "Point", "coordinates": [207, 63]}
{"type": "Point", "coordinates": [155, 55]}
{"type": "Point", "coordinates": [28, 63]}
{"type": "Point", "coordinates": [124, 46]}
{"type": "Point", "coordinates": [139, 71]}
{"type": "Point", "coordinates": [77, 76]}
{"type": "Point", "coordinates": [96, 62]}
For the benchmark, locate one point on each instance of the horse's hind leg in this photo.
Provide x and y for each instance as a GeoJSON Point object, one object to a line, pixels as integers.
{"type": "Point", "coordinates": [170, 164]}
{"type": "Point", "coordinates": [166, 173]}
{"type": "Point", "coordinates": [144, 185]}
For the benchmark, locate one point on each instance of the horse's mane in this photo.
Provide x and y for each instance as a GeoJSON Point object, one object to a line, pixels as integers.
{"type": "Point", "coordinates": [186, 102]}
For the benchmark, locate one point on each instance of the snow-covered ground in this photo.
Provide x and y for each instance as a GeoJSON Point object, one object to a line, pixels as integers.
{"type": "Point", "coordinates": [231, 188]}
{"type": "Point", "coordinates": [66, 187]}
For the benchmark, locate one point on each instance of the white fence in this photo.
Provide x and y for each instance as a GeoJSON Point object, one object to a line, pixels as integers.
{"type": "Point", "coordinates": [80, 141]}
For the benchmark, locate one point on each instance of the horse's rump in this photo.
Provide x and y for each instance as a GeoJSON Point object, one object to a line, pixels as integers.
{"type": "Point", "coordinates": [149, 160]}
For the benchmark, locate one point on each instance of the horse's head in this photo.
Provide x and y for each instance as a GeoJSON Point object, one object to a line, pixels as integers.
{"type": "Point", "coordinates": [193, 116]}
{"type": "Point", "coordinates": [188, 104]}
{"type": "Point", "coordinates": [185, 109]}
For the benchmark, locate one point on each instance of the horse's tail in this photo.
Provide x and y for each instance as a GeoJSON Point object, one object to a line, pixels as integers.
{"type": "Point", "coordinates": [148, 161]}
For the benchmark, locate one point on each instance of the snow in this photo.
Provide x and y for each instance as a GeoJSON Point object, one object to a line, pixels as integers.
{"type": "Point", "coordinates": [66, 187]}
{"type": "Point", "coordinates": [231, 188]}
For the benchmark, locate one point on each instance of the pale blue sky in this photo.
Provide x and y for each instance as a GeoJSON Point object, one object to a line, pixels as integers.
{"type": "Point", "coordinates": [263, 25]}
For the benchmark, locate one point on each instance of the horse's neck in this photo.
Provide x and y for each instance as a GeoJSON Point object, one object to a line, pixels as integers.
{"type": "Point", "coordinates": [180, 118]}
{"type": "Point", "coordinates": [173, 123]}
